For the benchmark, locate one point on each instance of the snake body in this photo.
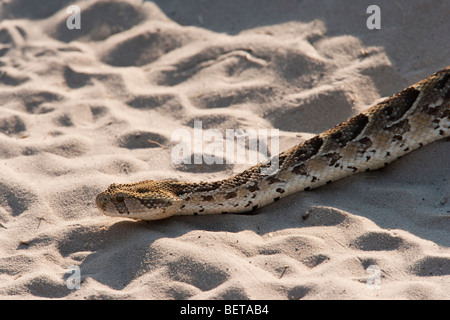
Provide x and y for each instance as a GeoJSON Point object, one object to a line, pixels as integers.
{"type": "Point", "coordinates": [416, 116]}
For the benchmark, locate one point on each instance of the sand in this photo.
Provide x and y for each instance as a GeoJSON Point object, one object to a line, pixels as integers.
{"type": "Point", "coordinates": [81, 109]}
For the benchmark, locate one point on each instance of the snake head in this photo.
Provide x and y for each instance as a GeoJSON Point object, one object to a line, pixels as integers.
{"type": "Point", "coordinates": [146, 200]}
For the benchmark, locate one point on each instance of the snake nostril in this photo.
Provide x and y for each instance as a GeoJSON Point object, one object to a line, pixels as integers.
{"type": "Point", "coordinates": [102, 199]}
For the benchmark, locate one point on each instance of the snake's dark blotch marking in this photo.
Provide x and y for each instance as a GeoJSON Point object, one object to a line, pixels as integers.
{"type": "Point", "coordinates": [348, 130]}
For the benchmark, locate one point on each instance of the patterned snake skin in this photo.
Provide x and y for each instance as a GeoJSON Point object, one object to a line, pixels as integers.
{"type": "Point", "coordinates": [414, 117]}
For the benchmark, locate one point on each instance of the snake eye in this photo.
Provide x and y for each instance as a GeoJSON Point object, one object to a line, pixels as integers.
{"type": "Point", "coordinates": [120, 197]}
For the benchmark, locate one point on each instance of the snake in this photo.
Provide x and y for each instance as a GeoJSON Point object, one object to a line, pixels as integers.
{"type": "Point", "coordinates": [416, 116]}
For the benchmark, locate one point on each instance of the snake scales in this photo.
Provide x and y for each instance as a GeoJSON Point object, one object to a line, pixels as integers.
{"type": "Point", "coordinates": [416, 116]}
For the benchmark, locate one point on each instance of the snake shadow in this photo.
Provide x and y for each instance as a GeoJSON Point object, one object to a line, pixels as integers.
{"type": "Point", "coordinates": [128, 249]}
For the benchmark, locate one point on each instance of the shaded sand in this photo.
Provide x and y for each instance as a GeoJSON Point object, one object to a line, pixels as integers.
{"type": "Point", "coordinates": [81, 109]}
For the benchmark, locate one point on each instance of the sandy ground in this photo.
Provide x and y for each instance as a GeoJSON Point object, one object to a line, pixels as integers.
{"type": "Point", "coordinates": [81, 109]}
